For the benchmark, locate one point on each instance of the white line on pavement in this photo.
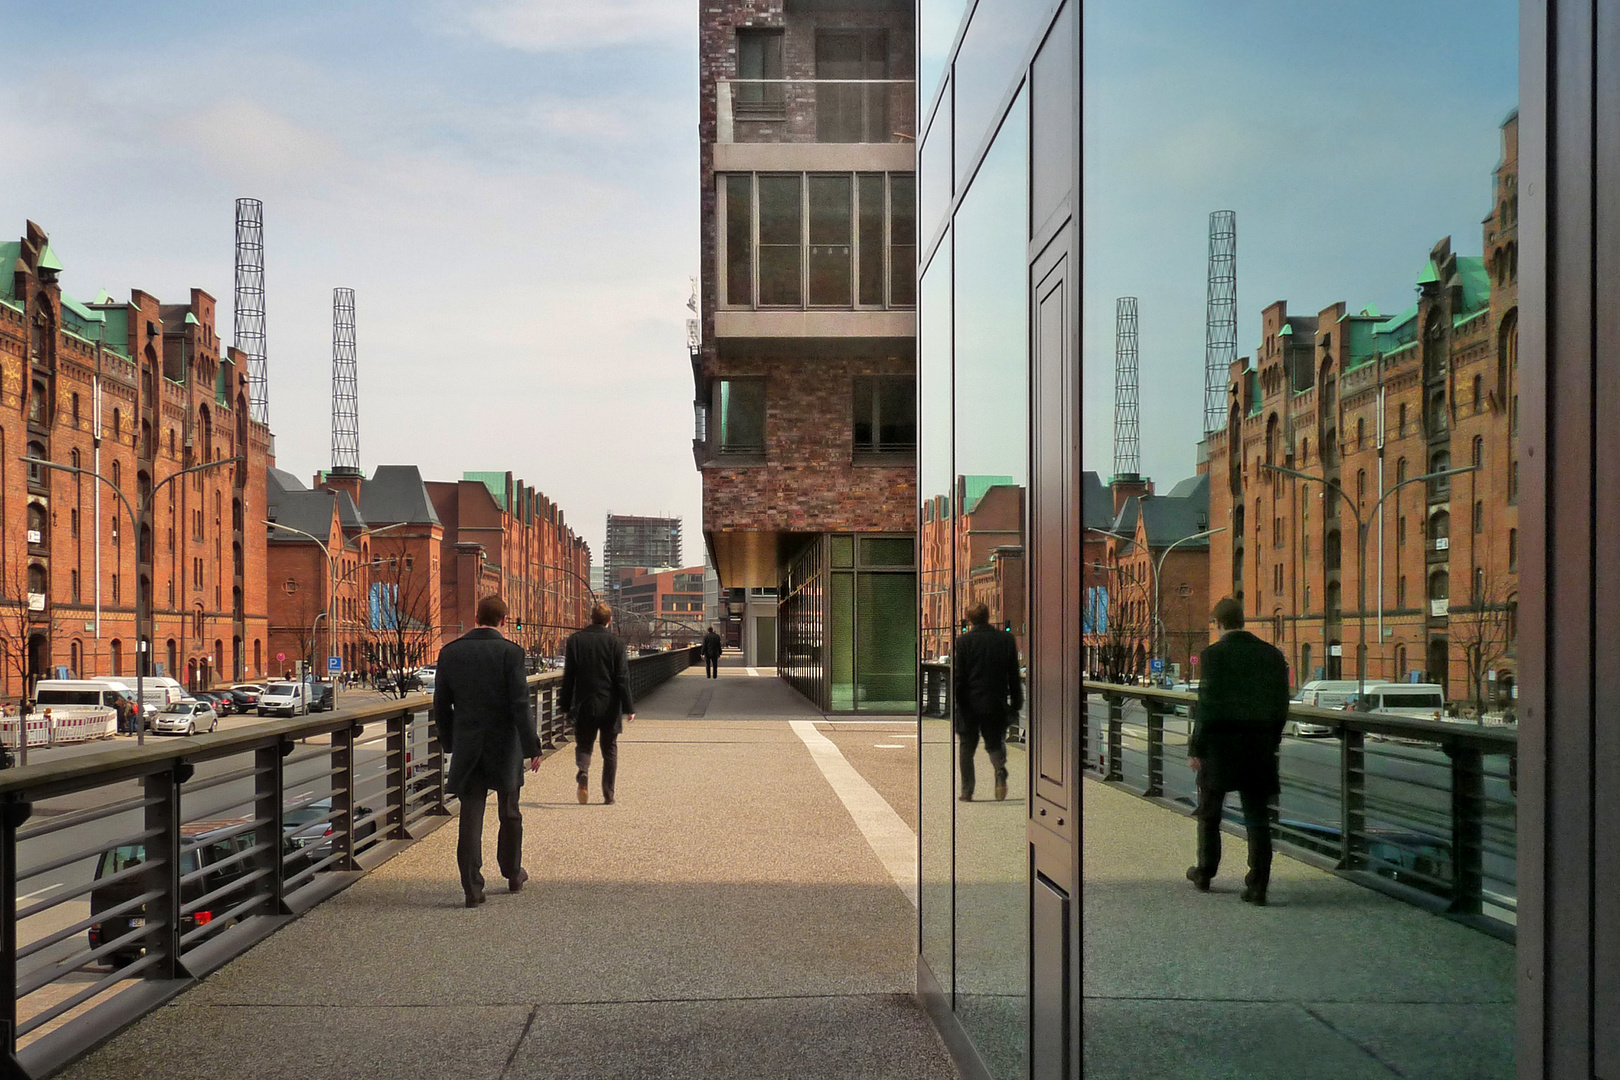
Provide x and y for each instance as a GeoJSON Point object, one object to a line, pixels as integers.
{"type": "Point", "coordinates": [42, 892]}
{"type": "Point", "coordinates": [891, 838]}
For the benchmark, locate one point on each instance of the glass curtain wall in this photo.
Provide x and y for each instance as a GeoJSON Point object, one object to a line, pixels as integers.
{"type": "Point", "coordinates": [985, 218]}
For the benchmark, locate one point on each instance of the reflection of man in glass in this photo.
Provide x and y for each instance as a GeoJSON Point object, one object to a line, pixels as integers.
{"type": "Point", "coordinates": [988, 694]}
{"type": "Point", "coordinates": [1242, 707]}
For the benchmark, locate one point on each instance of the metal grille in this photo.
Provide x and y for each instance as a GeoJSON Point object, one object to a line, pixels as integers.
{"type": "Point", "coordinates": [249, 315]}
{"type": "Point", "coordinates": [345, 384]}
{"type": "Point", "coordinates": [1127, 445]}
{"type": "Point", "coordinates": [1220, 316]}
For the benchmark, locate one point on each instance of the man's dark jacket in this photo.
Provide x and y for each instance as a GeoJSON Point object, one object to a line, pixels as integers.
{"type": "Point", "coordinates": [481, 710]}
{"type": "Point", "coordinates": [712, 645]}
{"type": "Point", "coordinates": [1242, 707]}
{"type": "Point", "coordinates": [984, 676]}
{"type": "Point", "coordinates": [596, 679]}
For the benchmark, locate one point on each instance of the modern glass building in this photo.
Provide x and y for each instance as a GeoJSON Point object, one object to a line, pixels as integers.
{"type": "Point", "coordinates": [998, 480]}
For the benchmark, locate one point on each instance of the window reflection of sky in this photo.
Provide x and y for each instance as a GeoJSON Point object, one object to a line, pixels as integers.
{"type": "Point", "coordinates": [937, 21]}
{"type": "Point", "coordinates": [991, 288]}
{"type": "Point", "coordinates": [934, 350]}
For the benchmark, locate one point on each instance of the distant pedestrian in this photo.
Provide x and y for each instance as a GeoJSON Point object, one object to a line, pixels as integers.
{"type": "Point", "coordinates": [596, 691]}
{"type": "Point", "coordinates": [989, 691]}
{"type": "Point", "coordinates": [481, 710]}
{"type": "Point", "coordinates": [711, 654]}
{"type": "Point", "coordinates": [1242, 707]}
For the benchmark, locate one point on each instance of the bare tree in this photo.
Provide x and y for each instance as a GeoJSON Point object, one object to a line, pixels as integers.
{"type": "Point", "coordinates": [1121, 622]}
{"type": "Point", "coordinates": [402, 619]}
{"type": "Point", "coordinates": [1485, 629]}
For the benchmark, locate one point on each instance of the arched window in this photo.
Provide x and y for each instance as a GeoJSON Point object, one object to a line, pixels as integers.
{"type": "Point", "coordinates": [1401, 424]}
{"type": "Point", "coordinates": [37, 525]}
{"type": "Point", "coordinates": [1479, 585]}
{"type": "Point", "coordinates": [36, 473]}
{"type": "Point", "coordinates": [1331, 552]}
{"type": "Point", "coordinates": [118, 425]}
{"type": "Point", "coordinates": [1479, 394]}
{"type": "Point", "coordinates": [1437, 413]}
{"type": "Point", "coordinates": [1361, 488]}
{"type": "Point", "coordinates": [1304, 451]}
{"type": "Point", "coordinates": [1400, 470]}
{"type": "Point", "coordinates": [37, 579]}
{"type": "Point", "coordinates": [115, 653]}
{"type": "Point", "coordinates": [1441, 487]}
{"type": "Point", "coordinates": [1439, 585]}
{"type": "Point", "coordinates": [1361, 432]}
{"type": "Point", "coordinates": [1478, 457]}
{"type": "Point", "coordinates": [1440, 527]}
{"type": "Point", "coordinates": [36, 403]}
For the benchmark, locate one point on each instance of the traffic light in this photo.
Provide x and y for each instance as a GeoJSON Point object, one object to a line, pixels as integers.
{"type": "Point", "coordinates": [520, 624]}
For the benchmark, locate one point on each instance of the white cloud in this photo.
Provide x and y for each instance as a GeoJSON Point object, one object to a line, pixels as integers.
{"type": "Point", "coordinates": [245, 142]}
{"type": "Point", "coordinates": [545, 26]}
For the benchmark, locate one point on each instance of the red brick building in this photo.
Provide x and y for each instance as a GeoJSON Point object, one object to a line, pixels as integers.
{"type": "Point", "coordinates": [804, 360]}
{"type": "Point", "coordinates": [663, 605]}
{"type": "Point", "coordinates": [1369, 405]}
{"type": "Point", "coordinates": [139, 390]}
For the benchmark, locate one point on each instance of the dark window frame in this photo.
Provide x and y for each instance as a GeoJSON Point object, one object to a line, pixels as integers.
{"type": "Point", "coordinates": [875, 450]}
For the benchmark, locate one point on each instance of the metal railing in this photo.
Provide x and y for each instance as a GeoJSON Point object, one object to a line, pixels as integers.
{"type": "Point", "coordinates": [815, 110]}
{"type": "Point", "coordinates": [1422, 810]}
{"type": "Point", "coordinates": [128, 873]}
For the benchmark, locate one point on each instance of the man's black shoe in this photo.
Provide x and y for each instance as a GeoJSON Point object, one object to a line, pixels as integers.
{"type": "Point", "coordinates": [1252, 895]}
{"type": "Point", "coordinates": [475, 898]}
{"type": "Point", "coordinates": [1199, 879]}
{"type": "Point", "coordinates": [515, 883]}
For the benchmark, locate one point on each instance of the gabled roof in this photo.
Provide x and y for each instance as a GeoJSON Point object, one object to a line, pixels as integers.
{"type": "Point", "coordinates": [495, 481]}
{"type": "Point", "coordinates": [1168, 518]}
{"type": "Point", "coordinates": [1097, 503]}
{"type": "Point", "coordinates": [348, 513]}
{"type": "Point", "coordinates": [289, 503]}
{"type": "Point", "coordinates": [283, 479]}
{"type": "Point", "coordinates": [396, 493]}
{"type": "Point", "coordinates": [973, 489]}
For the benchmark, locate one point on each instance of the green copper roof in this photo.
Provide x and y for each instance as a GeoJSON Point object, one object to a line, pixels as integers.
{"type": "Point", "coordinates": [10, 251]}
{"type": "Point", "coordinates": [974, 487]}
{"type": "Point", "coordinates": [1429, 275]}
{"type": "Point", "coordinates": [1286, 329]}
{"type": "Point", "coordinates": [1476, 282]}
{"type": "Point", "coordinates": [494, 481]}
{"type": "Point", "coordinates": [48, 259]}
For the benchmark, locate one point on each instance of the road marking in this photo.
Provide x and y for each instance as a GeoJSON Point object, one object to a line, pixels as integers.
{"type": "Point", "coordinates": [754, 672]}
{"type": "Point", "coordinates": [889, 745]}
{"type": "Point", "coordinates": [42, 892]}
{"type": "Point", "coordinates": [891, 839]}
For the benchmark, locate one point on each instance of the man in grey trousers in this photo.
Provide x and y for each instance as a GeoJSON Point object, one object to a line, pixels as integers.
{"type": "Point", "coordinates": [596, 691]}
{"type": "Point", "coordinates": [481, 710]}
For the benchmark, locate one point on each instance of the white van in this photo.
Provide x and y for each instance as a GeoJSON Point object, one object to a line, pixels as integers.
{"type": "Point", "coordinates": [102, 692]}
{"type": "Point", "coordinates": [1420, 701]}
{"type": "Point", "coordinates": [1322, 694]}
{"type": "Point", "coordinates": [290, 698]}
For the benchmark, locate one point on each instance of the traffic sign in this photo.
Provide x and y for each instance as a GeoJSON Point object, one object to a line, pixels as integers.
{"type": "Point", "coordinates": [334, 664]}
{"type": "Point", "coordinates": [1157, 665]}
{"type": "Point", "coordinates": [280, 656]}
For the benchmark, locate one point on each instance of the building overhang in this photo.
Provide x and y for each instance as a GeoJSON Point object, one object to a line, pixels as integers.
{"type": "Point", "coordinates": [744, 560]}
{"type": "Point", "coordinates": [816, 333]}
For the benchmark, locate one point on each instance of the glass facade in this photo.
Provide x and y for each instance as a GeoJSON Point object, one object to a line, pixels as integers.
{"type": "Point", "coordinates": [848, 623]}
{"type": "Point", "coordinates": [998, 931]}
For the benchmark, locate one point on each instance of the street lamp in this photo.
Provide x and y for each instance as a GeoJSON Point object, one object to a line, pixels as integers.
{"type": "Point", "coordinates": [332, 583]}
{"type": "Point", "coordinates": [135, 527]}
{"type": "Point", "coordinates": [1361, 545]}
{"type": "Point", "coordinates": [1158, 572]}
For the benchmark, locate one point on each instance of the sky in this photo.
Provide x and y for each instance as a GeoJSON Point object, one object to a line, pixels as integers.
{"type": "Point", "coordinates": [1349, 139]}
{"type": "Point", "coordinates": [509, 186]}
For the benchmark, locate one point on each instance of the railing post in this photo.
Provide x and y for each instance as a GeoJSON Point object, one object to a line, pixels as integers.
{"type": "Point", "coordinates": [163, 870]}
{"type": "Point", "coordinates": [13, 813]}
{"type": "Point", "coordinates": [343, 796]}
{"type": "Point", "coordinates": [441, 770]}
{"type": "Point", "coordinates": [268, 804]}
{"type": "Point", "coordinates": [1114, 767]}
{"type": "Point", "coordinates": [396, 766]}
{"type": "Point", "coordinates": [542, 715]}
{"type": "Point", "coordinates": [1085, 731]}
{"type": "Point", "coordinates": [1467, 829]}
{"type": "Point", "coordinates": [1352, 798]}
{"type": "Point", "coordinates": [1155, 749]}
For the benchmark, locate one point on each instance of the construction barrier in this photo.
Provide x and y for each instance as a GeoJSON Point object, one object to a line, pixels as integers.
{"type": "Point", "coordinates": [60, 724]}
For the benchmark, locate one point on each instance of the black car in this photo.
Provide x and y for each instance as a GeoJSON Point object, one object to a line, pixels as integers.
{"type": "Point", "coordinates": [124, 882]}
{"type": "Point", "coordinates": [323, 697]}
{"type": "Point", "coordinates": [244, 698]}
{"type": "Point", "coordinates": [219, 699]}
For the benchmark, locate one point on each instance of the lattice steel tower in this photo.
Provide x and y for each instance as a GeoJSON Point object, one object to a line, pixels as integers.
{"type": "Point", "coordinates": [1127, 444]}
{"type": "Point", "coordinates": [249, 329]}
{"type": "Point", "coordinates": [345, 385]}
{"type": "Point", "coordinates": [1220, 317]}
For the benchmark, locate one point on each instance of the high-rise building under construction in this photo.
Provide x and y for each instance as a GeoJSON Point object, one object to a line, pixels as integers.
{"type": "Point", "coordinates": [638, 542]}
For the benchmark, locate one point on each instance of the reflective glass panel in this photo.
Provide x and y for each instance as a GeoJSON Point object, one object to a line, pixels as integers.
{"type": "Point", "coordinates": [780, 240]}
{"type": "Point", "coordinates": [740, 238]}
{"type": "Point", "coordinates": [831, 240]}
{"type": "Point", "coordinates": [992, 404]}
{"type": "Point", "coordinates": [934, 160]}
{"type": "Point", "coordinates": [937, 23]}
{"type": "Point", "coordinates": [870, 241]}
{"type": "Point", "coordinates": [991, 61]}
{"type": "Point", "coordinates": [902, 239]}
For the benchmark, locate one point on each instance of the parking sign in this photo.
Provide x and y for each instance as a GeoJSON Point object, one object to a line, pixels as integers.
{"type": "Point", "coordinates": [334, 664]}
{"type": "Point", "coordinates": [1157, 665]}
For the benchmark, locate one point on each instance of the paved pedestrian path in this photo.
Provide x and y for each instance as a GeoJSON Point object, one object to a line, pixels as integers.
{"type": "Point", "coordinates": [739, 912]}
{"type": "Point", "coordinates": [1331, 981]}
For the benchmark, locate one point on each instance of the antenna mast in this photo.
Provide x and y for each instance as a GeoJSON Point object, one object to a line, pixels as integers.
{"type": "Point", "coordinates": [345, 385]}
{"type": "Point", "coordinates": [1220, 317]}
{"type": "Point", "coordinates": [1127, 446]}
{"type": "Point", "coordinates": [249, 304]}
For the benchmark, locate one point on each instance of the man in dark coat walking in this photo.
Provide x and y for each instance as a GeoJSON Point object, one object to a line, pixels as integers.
{"type": "Point", "coordinates": [1242, 707]}
{"type": "Point", "coordinates": [481, 710]}
{"type": "Point", "coordinates": [711, 654]}
{"type": "Point", "coordinates": [596, 691]}
{"type": "Point", "coordinates": [989, 691]}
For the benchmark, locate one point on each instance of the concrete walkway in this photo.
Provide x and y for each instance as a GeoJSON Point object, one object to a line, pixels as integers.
{"type": "Point", "coordinates": [728, 917]}
{"type": "Point", "coordinates": [1331, 981]}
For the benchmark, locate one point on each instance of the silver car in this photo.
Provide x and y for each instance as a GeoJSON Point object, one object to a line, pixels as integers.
{"type": "Point", "coordinates": [184, 718]}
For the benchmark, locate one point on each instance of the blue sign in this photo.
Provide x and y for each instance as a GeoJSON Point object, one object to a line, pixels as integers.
{"type": "Point", "coordinates": [334, 664]}
{"type": "Point", "coordinates": [1156, 665]}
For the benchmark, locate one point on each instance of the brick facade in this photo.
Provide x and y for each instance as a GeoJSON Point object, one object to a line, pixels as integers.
{"type": "Point", "coordinates": [171, 397]}
{"type": "Point", "coordinates": [1440, 382]}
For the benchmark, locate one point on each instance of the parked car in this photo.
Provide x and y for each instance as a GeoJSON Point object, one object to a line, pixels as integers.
{"type": "Point", "coordinates": [185, 718]}
{"type": "Point", "coordinates": [424, 678]}
{"type": "Point", "coordinates": [118, 867]}
{"type": "Point", "coordinates": [322, 697]}
{"type": "Point", "coordinates": [245, 696]}
{"type": "Point", "coordinates": [307, 832]}
{"type": "Point", "coordinates": [220, 700]}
